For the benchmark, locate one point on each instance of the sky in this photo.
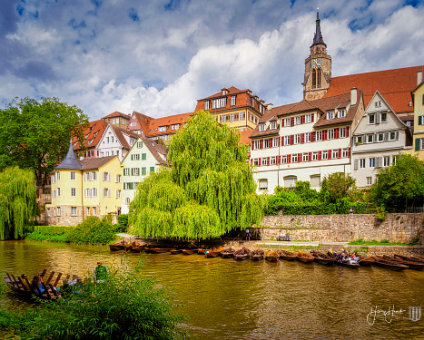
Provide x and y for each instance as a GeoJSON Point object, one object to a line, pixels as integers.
{"type": "Point", "coordinates": [159, 57]}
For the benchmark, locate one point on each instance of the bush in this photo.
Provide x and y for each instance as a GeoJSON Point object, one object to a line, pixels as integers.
{"type": "Point", "coordinates": [93, 231]}
{"type": "Point", "coordinates": [49, 233]}
{"type": "Point", "coordinates": [126, 306]}
{"type": "Point", "coordinates": [122, 225]}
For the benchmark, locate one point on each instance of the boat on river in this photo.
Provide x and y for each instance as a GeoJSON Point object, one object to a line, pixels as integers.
{"type": "Point", "coordinates": [20, 285]}
{"type": "Point", "coordinates": [410, 264]}
{"type": "Point", "coordinates": [242, 254]}
{"type": "Point", "coordinates": [272, 256]}
{"type": "Point", "coordinates": [366, 261]}
{"type": "Point", "coordinates": [227, 253]}
{"type": "Point", "coordinates": [286, 255]}
{"type": "Point", "coordinates": [416, 258]}
{"type": "Point", "coordinates": [324, 259]}
{"type": "Point", "coordinates": [381, 262]}
{"type": "Point", "coordinates": [119, 245]}
{"type": "Point", "coordinates": [257, 255]}
{"type": "Point", "coordinates": [304, 257]}
{"type": "Point", "coordinates": [211, 253]}
{"type": "Point", "coordinates": [189, 251]}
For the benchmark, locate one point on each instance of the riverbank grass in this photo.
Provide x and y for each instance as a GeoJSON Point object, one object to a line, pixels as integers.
{"type": "Point", "coordinates": [361, 242]}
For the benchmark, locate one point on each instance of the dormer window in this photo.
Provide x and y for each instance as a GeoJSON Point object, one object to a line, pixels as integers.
{"type": "Point", "coordinates": [219, 103]}
{"type": "Point", "coordinates": [377, 103]}
{"type": "Point", "coordinates": [262, 127]}
{"type": "Point", "coordinates": [341, 113]}
{"type": "Point", "coordinates": [273, 125]}
{"type": "Point", "coordinates": [233, 100]}
{"type": "Point", "coordinates": [330, 115]}
{"type": "Point", "coordinates": [162, 128]}
{"type": "Point", "coordinates": [206, 104]}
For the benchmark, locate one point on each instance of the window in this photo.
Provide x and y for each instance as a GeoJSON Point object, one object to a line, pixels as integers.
{"type": "Point", "coordinates": [370, 138]}
{"type": "Point", "coordinates": [135, 157]}
{"type": "Point", "coordinates": [133, 124]}
{"type": "Point", "coordinates": [72, 175]}
{"type": "Point", "coordinates": [73, 211]}
{"type": "Point", "coordinates": [359, 140]}
{"type": "Point", "coordinates": [241, 115]}
{"type": "Point", "coordinates": [286, 140]}
{"type": "Point", "coordinates": [384, 117]}
{"type": "Point", "coordinates": [223, 118]}
{"type": "Point", "coordinates": [53, 180]}
{"type": "Point", "coordinates": [94, 211]}
{"type": "Point", "coordinates": [106, 176]}
{"type": "Point", "coordinates": [334, 153]}
{"type": "Point", "coordinates": [263, 184]}
{"type": "Point", "coordinates": [58, 192]}
{"type": "Point", "coordinates": [284, 159]}
{"type": "Point", "coordinates": [231, 117]}
{"type": "Point", "coordinates": [266, 143]}
{"type": "Point", "coordinates": [73, 192]}
{"type": "Point", "coordinates": [386, 161]}
{"type": "Point", "coordinates": [297, 120]}
{"type": "Point", "coordinates": [377, 103]}
{"type": "Point", "coordinates": [342, 132]}
{"type": "Point", "coordinates": [206, 104]}
{"type": "Point", "coordinates": [58, 212]}
{"type": "Point", "coordinates": [393, 135]}
{"type": "Point", "coordinates": [262, 127]}
{"type": "Point", "coordinates": [106, 192]}
{"type": "Point", "coordinates": [118, 193]}
{"type": "Point", "coordinates": [143, 171]}
{"type": "Point", "coordinates": [308, 118]}
{"type": "Point", "coordinates": [372, 162]}
{"type": "Point", "coordinates": [275, 142]}
{"type": "Point", "coordinates": [325, 154]}
{"type": "Point", "coordinates": [362, 163]}
{"type": "Point", "coordinates": [218, 103]}
{"type": "Point", "coordinates": [315, 181]}
{"type": "Point", "coordinates": [330, 134]}
{"type": "Point", "coordinates": [307, 137]}
{"type": "Point", "coordinates": [257, 144]}
{"type": "Point", "coordinates": [135, 171]}
{"type": "Point", "coordinates": [175, 127]}
{"type": "Point", "coordinates": [371, 118]}
{"type": "Point", "coordinates": [126, 171]}
{"type": "Point", "coordinates": [297, 138]}
{"type": "Point", "coordinates": [48, 212]}
{"type": "Point", "coordinates": [273, 125]}
{"type": "Point", "coordinates": [341, 113]}
{"type": "Point", "coordinates": [88, 211]}
{"type": "Point", "coordinates": [305, 157]}
{"type": "Point", "coordinates": [152, 169]}
{"type": "Point", "coordinates": [290, 181]}
{"type": "Point", "coordinates": [319, 135]}
{"type": "Point", "coordinates": [315, 156]}
{"type": "Point", "coordinates": [345, 152]}
{"type": "Point", "coordinates": [330, 115]}
{"type": "Point", "coordinates": [256, 161]}
{"type": "Point", "coordinates": [380, 137]}
{"type": "Point", "coordinates": [117, 178]}
{"type": "Point", "coordinates": [162, 128]}
{"type": "Point", "coordinates": [264, 161]}
{"type": "Point", "coordinates": [233, 100]}
{"type": "Point", "coordinates": [369, 180]}
{"type": "Point", "coordinates": [294, 158]}
{"type": "Point", "coordinates": [57, 175]}
{"type": "Point", "coordinates": [273, 160]}
{"type": "Point", "coordinates": [143, 156]}
{"type": "Point", "coordinates": [127, 201]}
{"type": "Point", "coordinates": [286, 121]}
{"type": "Point", "coordinates": [111, 139]}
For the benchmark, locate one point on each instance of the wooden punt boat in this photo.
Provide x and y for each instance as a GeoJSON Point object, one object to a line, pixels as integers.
{"type": "Point", "coordinates": [381, 262]}
{"type": "Point", "coordinates": [227, 253]}
{"type": "Point", "coordinates": [242, 254]}
{"type": "Point", "coordinates": [366, 261]}
{"type": "Point", "coordinates": [176, 251]}
{"type": "Point", "coordinates": [410, 264]}
{"type": "Point", "coordinates": [136, 248]}
{"type": "Point", "coordinates": [286, 255]}
{"type": "Point", "coordinates": [188, 251]}
{"type": "Point", "coordinates": [304, 257]}
{"type": "Point", "coordinates": [20, 285]}
{"type": "Point", "coordinates": [348, 264]}
{"type": "Point", "coordinates": [211, 253]}
{"type": "Point", "coordinates": [271, 256]}
{"type": "Point", "coordinates": [416, 258]}
{"type": "Point", "coordinates": [324, 259]}
{"type": "Point", "coordinates": [257, 255]}
{"type": "Point", "coordinates": [202, 251]}
{"type": "Point", "coordinates": [120, 245]}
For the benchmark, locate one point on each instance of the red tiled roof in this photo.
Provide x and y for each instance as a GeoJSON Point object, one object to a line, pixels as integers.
{"type": "Point", "coordinates": [95, 163]}
{"type": "Point", "coordinates": [117, 114]}
{"type": "Point", "coordinates": [94, 132]}
{"type": "Point", "coordinates": [244, 136]}
{"type": "Point", "coordinates": [394, 85]}
{"type": "Point", "coordinates": [142, 121]}
{"type": "Point", "coordinates": [231, 90]}
{"type": "Point", "coordinates": [154, 125]}
{"type": "Point", "coordinates": [119, 132]}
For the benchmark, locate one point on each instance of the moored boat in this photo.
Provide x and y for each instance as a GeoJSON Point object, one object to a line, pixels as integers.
{"type": "Point", "coordinates": [272, 256]}
{"type": "Point", "coordinates": [416, 258]}
{"type": "Point", "coordinates": [227, 253]}
{"type": "Point", "coordinates": [286, 255]}
{"type": "Point", "coordinates": [381, 262]}
{"type": "Point", "coordinates": [304, 257]}
{"type": "Point", "coordinates": [366, 261]}
{"type": "Point", "coordinates": [188, 251]}
{"type": "Point", "coordinates": [201, 251]}
{"type": "Point", "coordinates": [410, 264]}
{"type": "Point", "coordinates": [242, 254]}
{"type": "Point", "coordinates": [211, 253]}
{"type": "Point", "coordinates": [120, 245]}
{"type": "Point", "coordinates": [257, 255]}
{"type": "Point", "coordinates": [324, 259]}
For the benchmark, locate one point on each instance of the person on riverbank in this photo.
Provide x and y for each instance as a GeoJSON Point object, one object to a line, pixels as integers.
{"type": "Point", "coordinates": [100, 273]}
{"type": "Point", "coordinates": [36, 285]}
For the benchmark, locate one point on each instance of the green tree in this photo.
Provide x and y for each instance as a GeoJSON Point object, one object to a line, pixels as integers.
{"type": "Point", "coordinates": [17, 201]}
{"type": "Point", "coordinates": [337, 186]}
{"type": "Point", "coordinates": [208, 191]}
{"type": "Point", "coordinates": [36, 134]}
{"type": "Point", "coordinates": [400, 185]}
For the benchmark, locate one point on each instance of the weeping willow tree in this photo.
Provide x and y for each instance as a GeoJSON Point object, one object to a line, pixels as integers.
{"type": "Point", "coordinates": [17, 201]}
{"type": "Point", "coordinates": [208, 191]}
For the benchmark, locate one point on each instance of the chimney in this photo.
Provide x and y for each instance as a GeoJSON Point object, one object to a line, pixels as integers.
{"type": "Point", "coordinates": [269, 107]}
{"type": "Point", "coordinates": [353, 96]}
{"type": "Point", "coordinates": [419, 77]}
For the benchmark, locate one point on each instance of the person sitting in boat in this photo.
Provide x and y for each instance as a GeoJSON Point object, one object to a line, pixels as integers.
{"type": "Point", "coordinates": [36, 285]}
{"type": "Point", "coordinates": [100, 273]}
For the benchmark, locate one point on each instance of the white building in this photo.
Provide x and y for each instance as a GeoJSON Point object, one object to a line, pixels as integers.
{"type": "Point", "coordinates": [379, 136]}
{"type": "Point", "coordinates": [145, 157]}
{"type": "Point", "coordinates": [305, 141]}
{"type": "Point", "coordinates": [116, 141]}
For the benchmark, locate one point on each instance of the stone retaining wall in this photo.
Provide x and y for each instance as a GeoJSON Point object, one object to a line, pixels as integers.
{"type": "Point", "coordinates": [326, 228]}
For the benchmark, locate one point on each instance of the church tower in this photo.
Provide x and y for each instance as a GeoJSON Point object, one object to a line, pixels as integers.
{"type": "Point", "coordinates": [317, 67]}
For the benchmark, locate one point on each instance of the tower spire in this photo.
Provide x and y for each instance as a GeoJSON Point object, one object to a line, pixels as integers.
{"type": "Point", "coordinates": [318, 36]}
{"type": "Point", "coordinates": [70, 162]}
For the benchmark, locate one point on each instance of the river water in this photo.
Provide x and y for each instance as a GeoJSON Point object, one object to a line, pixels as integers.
{"type": "Point", "coordinates": [226, 299]}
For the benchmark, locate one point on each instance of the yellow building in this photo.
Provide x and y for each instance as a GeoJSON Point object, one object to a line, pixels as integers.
{"type": "Point", "coordinates": [418, 100]}
{"type": "Point", "coordinates": [91, 187]}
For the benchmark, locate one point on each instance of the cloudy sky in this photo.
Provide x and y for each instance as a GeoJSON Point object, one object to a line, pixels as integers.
{"type": "Point", "coordinates": [159, 56]}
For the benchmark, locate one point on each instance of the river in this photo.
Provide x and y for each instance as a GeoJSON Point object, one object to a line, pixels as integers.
{"type": "Point", "coordinates": [226, 299]}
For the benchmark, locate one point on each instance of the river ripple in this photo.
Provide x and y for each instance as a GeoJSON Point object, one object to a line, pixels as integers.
{"type": "Point", "coordinates": [226, 299]}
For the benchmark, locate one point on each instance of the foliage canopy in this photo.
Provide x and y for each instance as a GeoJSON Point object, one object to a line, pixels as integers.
{"type": "Point", "coordinates": [208, 191]}
{"type": "Point", "coordinates": [17, 201]}
{"type": "Point", "coordinates": [36, 134]}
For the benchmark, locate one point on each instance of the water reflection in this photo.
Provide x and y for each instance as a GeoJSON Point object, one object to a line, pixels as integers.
{"type": "Point", "coordinates": [254, 300]}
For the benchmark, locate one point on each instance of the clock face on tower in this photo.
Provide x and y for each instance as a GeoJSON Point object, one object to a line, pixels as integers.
{"type": "Point", "coordinates": [316, 63]}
